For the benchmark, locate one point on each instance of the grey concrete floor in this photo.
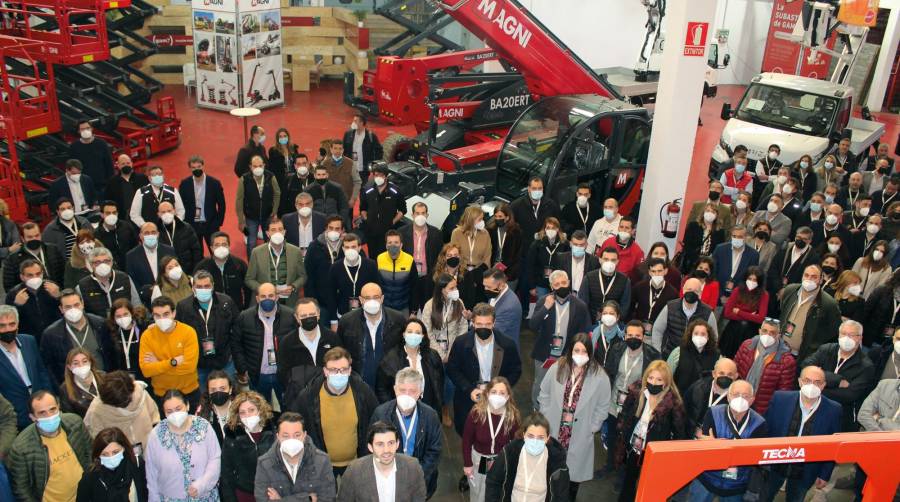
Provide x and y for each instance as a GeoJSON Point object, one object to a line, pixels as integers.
{"type": "Point", "coordinates": [596, 490]}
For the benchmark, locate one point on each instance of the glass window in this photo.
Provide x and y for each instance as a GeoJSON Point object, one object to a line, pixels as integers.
{"type": "Point", "coordinates": [788, 109]}
{"type": "Point", "coordinates": [635, 142]}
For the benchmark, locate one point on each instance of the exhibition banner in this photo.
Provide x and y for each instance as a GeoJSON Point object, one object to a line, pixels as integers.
{"type": "Point", "coordinates": [262, 74]}
{"type": "Point", "coordinates": [215, 53]}
{"type": "Point", "coordinates": [781, 55]}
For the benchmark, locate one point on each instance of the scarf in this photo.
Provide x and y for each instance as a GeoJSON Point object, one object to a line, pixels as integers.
{"type": "Point", "coordinates": [755, 373]}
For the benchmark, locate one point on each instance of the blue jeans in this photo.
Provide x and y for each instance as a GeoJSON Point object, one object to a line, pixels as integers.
{"type": "Point", "coordinates": [203, 374]}
{"type": "Point", "coordinates": [448, 391]}
{"type": "Point", "coordinates": [253, 227]}
{"type": "Point", "coordinates": [266, 384]}
{"type": "Point", "coordinates": [795, 491]}
{"type": "Point", "coordinates": [699, 493]}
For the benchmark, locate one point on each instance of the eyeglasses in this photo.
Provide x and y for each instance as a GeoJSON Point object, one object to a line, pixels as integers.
{"type": "Point", "coordinates": [338, 371]}
{"type": "Point", "coordinates": [771, 320]}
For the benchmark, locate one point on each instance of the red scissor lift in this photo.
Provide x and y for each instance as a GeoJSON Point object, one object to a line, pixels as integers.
{"type": "Point", "coordinates": [36, 34]}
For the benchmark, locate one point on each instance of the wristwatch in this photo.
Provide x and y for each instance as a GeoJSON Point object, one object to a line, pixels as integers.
{"type": "Point", "coordinates": [173, 362]}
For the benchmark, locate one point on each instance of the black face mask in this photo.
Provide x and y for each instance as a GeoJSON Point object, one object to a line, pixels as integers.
{"type": "Point", "coordinates": [309, 323]}
{"type": "Point", "coordinates": [500, 223]}
{"type": "Point", "coordinates": [762, 235]}
{"type": "Point", "coordinates": [691, 297]}
{"type": "Point", "coordinates": [7, 336]}
{"type": "Point", "coordinates": [126, 170]}
{"type": "Point", "coordinates": [701, 274]}
{"type": "Point", "coordinates": [895, 216]}
{"type": "Point", "coordinates": [483, 333]}
{"type": "Point", "coordinates": [723, 382]}
{"type": "Point", "coordinates": [491, 294]}
{"type": "Point", "coordinates": [654, 389]}
{"type": "Point", "coordinates": [33, 245]}
{"type": "Point", "coordinates": [453, 262]}
{"type": "Point", "coordinates": [714, 196]}
{"type": "Point", "coordinates": [219, 398]}
{"type": "Point", "coordinates": [800, 243]}
{"type": "Point", "coordinates": [197, 173]}
{"type": "Point", "coordinates": [322, 182]}
{"type": "Point", "coordinates": [828, 269]}
{"type": "Point", "coordinates": [883, 170]}
{"type": "Point", "coordinates": [633, 343]}
{"type": "Point", "coordinates": [563, 292]}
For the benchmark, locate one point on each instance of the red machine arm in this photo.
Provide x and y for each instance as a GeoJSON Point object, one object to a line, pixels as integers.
{"type": "Point", "coordinates": [549, 67]}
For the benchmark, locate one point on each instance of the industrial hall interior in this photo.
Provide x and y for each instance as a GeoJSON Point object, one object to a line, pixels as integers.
{"type": "Point", "coordinates": [449, 250]}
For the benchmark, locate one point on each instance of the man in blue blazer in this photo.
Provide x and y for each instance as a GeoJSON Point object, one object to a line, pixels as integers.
{"type": "Point", "coordinates": [802, 413]}
{"type": "Point", "coordinates": [62, 187]}
{"type": "Point", "coordinates": [507, 307]}
{"type": "Point", "coordinates": [22, 371]}
{"type": "Point", "coordinates": [138, 259]}
{"type": "Point", "coordinates": [313, 223]}
{"type": "Point", "coordinates": [207, 216]}
{"type": "Point", "coordinates": [724, 255]}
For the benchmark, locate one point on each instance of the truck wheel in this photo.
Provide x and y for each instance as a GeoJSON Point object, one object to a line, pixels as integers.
{"type": "Point", "coordinates": [395, 146]}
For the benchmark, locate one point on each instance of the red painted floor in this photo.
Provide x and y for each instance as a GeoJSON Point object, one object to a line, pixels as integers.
{"type": "Point", "coordinates": [321, 113]}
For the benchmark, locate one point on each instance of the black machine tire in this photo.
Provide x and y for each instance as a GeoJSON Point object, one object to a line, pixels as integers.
{"type": "Point", "coordinates": [395, 145]}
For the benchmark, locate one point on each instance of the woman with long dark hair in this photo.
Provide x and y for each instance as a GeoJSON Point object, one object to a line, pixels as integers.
{"type": "Point", "coordinates": [704, 271]}
{"type": "Point", "coordinates": [444, 317]}
{"type": "Point", "coordinates": [415, 352]}
{"type": "Point", "coordinates": [215, 402]}
{"type": "Point", "coordinates": [80, 382]}
{"type": "Point", "coordinates": [745, 310]}
{"type": "Point", "coordinates": [575, 396]}
{"type": "Point", "coordinates": [539, 262]}
{"type": "Point", "coordinates": [832, 267]}
{"type": "Point", "coordinates": [695, 356]}
{"type": "Point", "coordinates": [126, 323]}
{"type": "Point", "coordinates": [873, 268]}
{"type": "Point", "coordinates": [701, 237]}
{"type": "Point", "coordinates": [506, 243]}
{"type": "Point", "coordinates": [281, 157]}
{"type": "Point", "coordinates": [471, 290]}
{"type": "Point", "coordinates": [114, 474]}
{"type": "Point", "coordinates": [661, 250]}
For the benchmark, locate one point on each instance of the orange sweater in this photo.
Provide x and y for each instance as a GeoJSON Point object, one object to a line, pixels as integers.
{"type": "Point", "coordinates": [182, 341]}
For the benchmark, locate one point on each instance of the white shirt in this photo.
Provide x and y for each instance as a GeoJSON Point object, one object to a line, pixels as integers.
{"type": "Point", "coordinates": [358, 139]}
{"type": "Point", "coordinates": [373, 328]}
{"type": "Point", "coordinates": [78, 201]}
{"type": "Point", "coordinates": [494, 301]}
{"type": "Point", "coordinates": [18, 362]}
{"type": "Point", "coordinates": [387, 485]}
{"type": "Point", "coordinates": [418, 364]}
{"type": "Point", "coordinates": [603, 229]}
{"type": "Point", "coordinates": [736, 255]}
{"type": "Point", "coordinates": [292, 469]}
{"type": "Point", "coordinates": [485, 358]}
{"type": "Point", "coordinates": [311, 345]}
{"type": "Point", "coordinates": [151, 259]}
{"type": "Point", "coordinates": [305, 232]}
{"type": "Point", "coordinates": [577, 273]}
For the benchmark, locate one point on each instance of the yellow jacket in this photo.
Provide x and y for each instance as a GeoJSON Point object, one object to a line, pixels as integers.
{"type": "Point", "coordinates": [182, 341]}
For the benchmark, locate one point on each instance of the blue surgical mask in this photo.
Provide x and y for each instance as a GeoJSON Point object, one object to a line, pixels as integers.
{"type": "Point", "coordinates": [151, 241]}
{"type": "Point", "coordinates": [338, 382]}
{"type": "Point", "coordinates": [739, 168]}
{"type": "Point", "coordinates": [829, 199]}
{"type": "Point", "coordinates": [804, 164]}
{"type": "Point", "coordinates": [49, 425]}
{"type": "Point", "coordinates": [112, 462]}
{"type": "Point", "coordinates": [203, 295]}
{"type": "Point", "coordinates": [283, 141]}
{"type": "Point", "coordinates": [267, 305]}
{"type": "Point", "coordinates": [534, 446]}
{"type": "Point", "coordinates": [578, 251]}
{"type": "Point", "coordinates": [413, 339]}
{"type": "Point", "coordinates": [815, 207]}
{"type": "Point", "coordinates": [536, 194]}
{"type": "Point", "coordinates": [609, 214]}
{"type": "Point", "coordinates": [337, 159]}
{"type": "Point", "coordinates": [157, 180]}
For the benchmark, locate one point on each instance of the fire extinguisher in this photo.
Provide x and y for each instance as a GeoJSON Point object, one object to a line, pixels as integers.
{"type": "Point", "coordinates": [669, 218]}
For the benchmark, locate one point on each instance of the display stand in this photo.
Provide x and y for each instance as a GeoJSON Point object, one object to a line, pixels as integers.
{"type": "Point", "coordinates": [237, 53]}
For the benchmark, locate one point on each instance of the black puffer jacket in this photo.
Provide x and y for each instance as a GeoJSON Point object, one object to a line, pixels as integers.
{"type": "Point", "coordinates": [239, 457]}
{"type": "Point", "coordinates": [502, 476]}
{"type": "Point", "coordinates": [247, 338]}
{"type": "Point", "coordinates": [222, 316]}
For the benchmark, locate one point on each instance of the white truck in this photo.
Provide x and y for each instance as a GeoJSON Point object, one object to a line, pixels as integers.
{"type": "Point", "coordinates": [799, 114]}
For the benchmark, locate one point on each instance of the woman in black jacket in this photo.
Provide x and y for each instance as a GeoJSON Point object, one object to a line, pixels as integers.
{"type": "Point", "coordinates": [701, 237]}
{"type": "Point", "coordinates": [653, 411]}
{"type": "Point", "coordinates": [249, 433]}
{"type": "Point", "coordinates": [550, 240]}
{"type": "Point", "coordinates": [696, 356]}
{"type": "Point", "coordinates": [126, 324]}
{"type": "Point", "coordinates": [216, 400]}
{"type": "Point", "coordinates": [114, 472]}
{"type": "Point", "coordinates": [506, 243]}
{"type": "Point", "coordinates": [427, 360]}
{"type": "Point", "coordinates": [540, 448]}
{"type": "Point", "coordinates": [281, 156]}
{"type": "Point", "coordinates": [879, 313]}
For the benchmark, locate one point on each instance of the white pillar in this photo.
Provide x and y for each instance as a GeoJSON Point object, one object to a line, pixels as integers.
{"type": "Point", "coordinates": [886, 55]}
{"type": "Point", "coordinates": [675, 116]}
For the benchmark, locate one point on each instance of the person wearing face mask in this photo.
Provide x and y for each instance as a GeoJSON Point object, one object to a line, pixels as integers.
{"type": "Point", "coordinates": [304, 224]}
{"type": "Point", "coordinates": [76, 329]}
{"type": "Point", "coordinates": [788, 265]}
{"type": "Point", "coordinates": [53, 435]}
{"type": "Point", "coordinates": [541, 256]}
{"type": "Point", "coordinates": [495, 355]}
{"type": "Point", "coordinates": [812, 212]}
{"type": "Point", "coordinates": [606, 284]}
{"type": "Point", "coordinates": [299, 178]}
{"type": "Point", "coordinates": [119, 236]}
{"type": "Point", "coordinates": [843, 157]}
{"type": "Point", "coordinates": [695, 356]}
{"type": "Point", "coordinates": [575, 397]}
{"type": "Point", "coordinates": [766, 168]}
{"type": "Point", "coordinates": [293, 467]}
{"type": "Point", "coordinates": [669, 328]}
{"type": "Point", "coordinates": [424, 243]}
{"type": "Point", "coordinates": [215, 403]}
{"type": "Point", "coordinates": [258, 194]}
{"type": "Point", "coordinates": [399, 274]}
{"type": "Point", "coordinates": [745, 309]}
{"type": "Point", "coordinates": [36, 298]}
{"type": "Point", "coordinates": [76, 186]}
{"type": "Point", "coordinates": [281, 157]}
{"type": "Point", "coordinates": [879, 411]}
{"type": "Point", "coordinates": [105, 285]}
{"type": "Point", "coordinates": [873, 268]}
{"type": "Point", "coordinates": [532, 209]}
{"type": "Point", "coordinates": [471, 236]}
{"type": "Point", "coordinates": [370, 332]}
{"type": "Point", "coordinates": [169, 353]}
{"type": "Point", "coordinates": [346, 278]}
{"type": "Point", "coordinates": [758, 239]}
{"type": "Point", "coordinates": [363, 143]}
{"type": "Point", "coordinates": [829, 172]}
{"type": "Point", "coordinates": [832, 262]}
{"type": "Point", "coordinates": [609, 332]}
{"type": "Point", "coordinates": [337, 407]}
{"type": "Point", "coordinates": [556, 318]}
{"type": "Point", "coordinates": [507, 308]}
{"type": "Point", "coordinates": [651, 294]}
{"type": "Point", "coordinates": [856, 218]}
{"type": "Point", "coordinates": [143, 262]}
{"type": "Point", "coordinates": [576, 262]}
{"type": "Point", "coordinates": [415, 353]}
{"type": "Point", "coordinates": [849, 373]}
{"type": "Point", "coordinates": [767, 363]}
{"type": "Point", "coordinates": [779, 222]}
{"type": "Point", "coordinates": [124, 403]}
{"type": "Point", "coordinates": [63, 230]}
{"type": "Point", "coordinates": [229, 272]}
{"type": "Point", "coordinates": [741, 213]}
{"type": "Point", "coordinates": [709, 286]}
{"type": "Point", "coordinates": [381, 207]}
{"type": "Point", "coordinates": [322, 254]}
{"type": "Point", "coordinates": [277, 262]}
{"type": "Point", "coordinates": [731, 262]}
{"type": "Point", "coordinates": [846, 290]}
{"type": "Point", "coordinates": [385, 474]}
{"type": "Point", "coordinates": [581, 213]}
{"type": "Point", "coordinates": [805, 174]}
{"type": "Point", "coordinates": [734, 420]}
{"type": "Point", "coordinates": [343, 172]}
{"type": "Point", "coordinates": [723, 211]}
{"type": "Point", "coordinates": [701, 237]}
{"type": "Point", "coordinates": [212, 316]}
{"type": "Point", "coordinates": [328, 197]}
{"type": "Point", "coordinates": [829, 226]}
{"type": "Point", "coordinates": [847, 195]}
{"type": "Point", "coordinates": [77, 267]}
{"type": "Point", "coordinates": [114, 475]}
{"type": "Point", "coordinates": [443, 318]}
{"type": "Point", "coordinates": [49, 255]}
{"type": "Point", "coordinates": [809, 316]}
{"type": "Point", "coordinates": [204, 202]}
{"type": "Point", "coordinates": [183, 457]}
{"type": "Point", "coordinates": [172, 282]}
{"type": "Point", "coordinates": [92, 152]}
{"type": "Point", "coordinates": [145, 205]}
{"type": "Point", "coordinates": [862, 243]}
{"type": "Point", "coordinates": [22, 370]}
{"type": "Point", "coordinates": [886, 357]}
{"type": "Point", "coordinates": [531, 468]}
{"type": "Point", "coordinates": [255, 146]}
{"type": "Point", "coordinates": [652, 411]}
{"type": "Point", "coordinates": [736, 179]}
{"type": "Point", "coordinates": [875, 178]}
{"type": "Point", "coordinates": [630, 253]}
{"type": "Point", "coordinates": [419, 425]}
{"type": "Point", "coordinates": [300, 356]}
{"type": "Point", "coordinates": [708, 391]}
{"type": "Point", "coordinates": [802, 413]}
{"type": "Point", "coordinates": [79, 386]}
{"type": "Point", "coordinates": [891, 222]}
{"type": "Point", "coordinates": [121, 188]}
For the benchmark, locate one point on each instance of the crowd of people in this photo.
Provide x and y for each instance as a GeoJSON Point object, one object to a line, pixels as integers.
{"type": "Point", "coordinates": [145, 361]}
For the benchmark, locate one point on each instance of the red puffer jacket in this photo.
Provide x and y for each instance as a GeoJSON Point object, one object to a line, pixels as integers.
{"type": "Point", "coordinates": [780, 372]}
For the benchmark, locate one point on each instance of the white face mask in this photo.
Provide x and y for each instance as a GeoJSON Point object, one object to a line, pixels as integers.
{"type": "Point", "coordinates": [124, 322]}
{"type": "Point", "coordinates": [420, 220]}
{"type": "Point", "coordinates": [699, 341]}
{"type": "Point", "coordinates": [303, 170]}
{"type": "Point", "coordinates": [405, 403]}
{"type": "Point", "coordinates": [479, 225]}
{"type": "Point", "coordinates": [164, 324]}
{"type": "Point", "coordinates": [34, 283]}
{"type": "Point", "coordinates": [751, 285]}
{"type": "Point", "coordinates": [846, 343]}
{"type": "Point", "coordinates": [250, 422]}
{"type": "Point", "coordinates": [550, 233]}
{"type": "Point", "coordinates": [624, 236]}
{"type": "Point", "coordinates": [167, 218]}
{"type": "Point", "coordinates": [773, 155]}
{"type": "Point", "coordinates": [864, 211]}
{"type": "Point", "coordinates": [772, 207]}
{"type": "Point", "coordinates": [709, 216]}
{"type": "Point", "coordinates": [372, 307]}
{"type": "Point", "coordinates": [86, 247]}
{"type": "Point", "coordinates": [175, 274]}
{"type": "Point", "coordinates": [877, 255]}
{"type": "Point", "coordinates": [579, 359]}
{"type": "Point", "coordinates": [582, 201]}
{"type": "Point", "coordinates": [834, 248]}
{"type": "Point", "coordinates": [787, 189]}
{"type": "Point", "coordinates": [809, 285]}
{"type": "Point", "coordinates": [82, 371]}
{"type": "Point", "coordinates": [810, 391]}
{"type": "Point", "coordinates": [379, 180]}
{"type": "Point", "coordinates": [86, 134]}
{"type": "Point", "coordinates": [657, 280]}
{"type": "Point", "coordinates": [497, 401]}
{"type": "Point", "coordinates": [855, 289]}
{"type": "Point", "coordinates": [739, 404]}
{"type": "Point", "coordinates": [608, 320]}
{"type": "Point", "coordinates": [291, 447]}
{"type": "Point", "coordinates": [304, 212]}
{"type": "Point", "coordinates": [453, 295]}
{"type": "Point", "coordinates": [872, 228]}
{"type": "Point", "coordinates": [111, 219]}
{"type": "Point", "coordinates": [221, 252]}
{"type": "Point", "coordinates": [351, 254]}
{"type": "Point", "coordinates": [831, 219]}
{"type": "Point", "coordinates": [740, 205]}
{"type": "Point", "coordinates": [333, 235]}
{"type": "Point", "coordinates": [103, 270]}
{"type": "Point", "coordinates": [277, 238]}
{"type": "Point", "coordinates": [766, 340]}
{"type": "Point", "coordinates": [608, 267]}
{"type": "Point", "coordinates": [258, 171]}
{"type": "Point", "coordinates": [74, 315]}
{"type": "Point", "coordinates": [177, 418]}
{"type": "Point", "coordinates": [781, 179]}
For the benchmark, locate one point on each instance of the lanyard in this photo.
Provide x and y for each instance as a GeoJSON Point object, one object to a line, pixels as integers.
{"type": "Point", "coordinates": [896, 309]}
{"type": "Point", "coordinates": [126, 344]}
{"type": "Point", "coordinates": [105, 289]}
{"type": "Point", "coordinates": [734, 428]}
{"type": "Point", "coordinates": [535, 209]}
{"type": "Point", "coordinates": [711, 394]}
{"type": "Point", "coordinates": [653, 299]}
{"type": "Point", "coordinates": [471, 240]}
{"type": "Point", "coordinates": [603, 288]}
{"type": "Point", "coordinates": [550, 261]}
{"type": "Point", "coordinates": [560, 311]}
{"type": "Point", "coordinates": [840, 363]}
{"type": "Point", "coordinates": [587, 212]}
{"type": "Point", "coordinates": [275, 259]}
{"type": "Point", "coordinates": [501, 239]}
{"type": "Point", "coordinates": [494, 433]}
{"type": "Point", "coordinates": [800, 300]}
{"type": "Point", "coordinates": [332, 253]}
{"type": "Point", "coordinates": [884, 202]}
{"type": "Point", "coordinates": [170, 234]}
{"type": "Point", "coordinates": [529, 477]}
{"type": "Point", "coordinates": [354, 277]}
{"type": "Point", "coordinates": [159, 198]}
{"type": "Point", "coordinates": [205, 317]}
{"type": "Point", "coordinates": [575, 383]}
{"type": "Point", "coordinates": [412, 424]}
{"type": "Point", "coordinates": [83, 339]}
{"type": "Point", "coordinates": [808, 416]}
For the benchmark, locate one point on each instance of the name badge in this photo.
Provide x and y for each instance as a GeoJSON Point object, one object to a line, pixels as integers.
{"type": "Point", "coordinates": [353, 302]}
{"type": "Point", "coordinates": [789, 329]}
{"type": "Point", "coordinates": [556, 346]}
{"type": "Point", "coordinates": [623, 395]}
{"type": "Point", "coordinates": [730, 473]}
{"type": "Point", "coordinates": [568, 418]}
{"type": "Point", "coordinates": [270, 357]}
{"type": "Point", "coordinates": [209, 346]}
{"type": "Point", "coordinates": [547, 271]}
{"type": "Point", "coordinates": [197, 214]}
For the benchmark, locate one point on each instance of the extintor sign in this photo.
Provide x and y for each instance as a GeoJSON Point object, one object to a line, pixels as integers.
{"type": "Point", "coordinates": [695, 39]}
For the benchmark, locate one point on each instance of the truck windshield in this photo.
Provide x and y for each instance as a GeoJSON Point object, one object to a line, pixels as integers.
{"type": "Point", "coordinates": [788, 109]}
{"type": "Point", "coordinates": [535, 141]}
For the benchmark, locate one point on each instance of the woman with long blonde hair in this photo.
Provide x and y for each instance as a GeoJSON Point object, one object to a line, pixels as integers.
{"type": "Point", "coordinates": [653, 411]}
{"type": "Point", "coordinates": [472, 239]}
{"type": "Point", "coordinates": [80, 382]}
{"type": "Point", "coordinates": [249, 433]}
{"type": "Point", "coordinates": [77, 266]}
{"type": "Point", "coordinates": [847, 293]}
